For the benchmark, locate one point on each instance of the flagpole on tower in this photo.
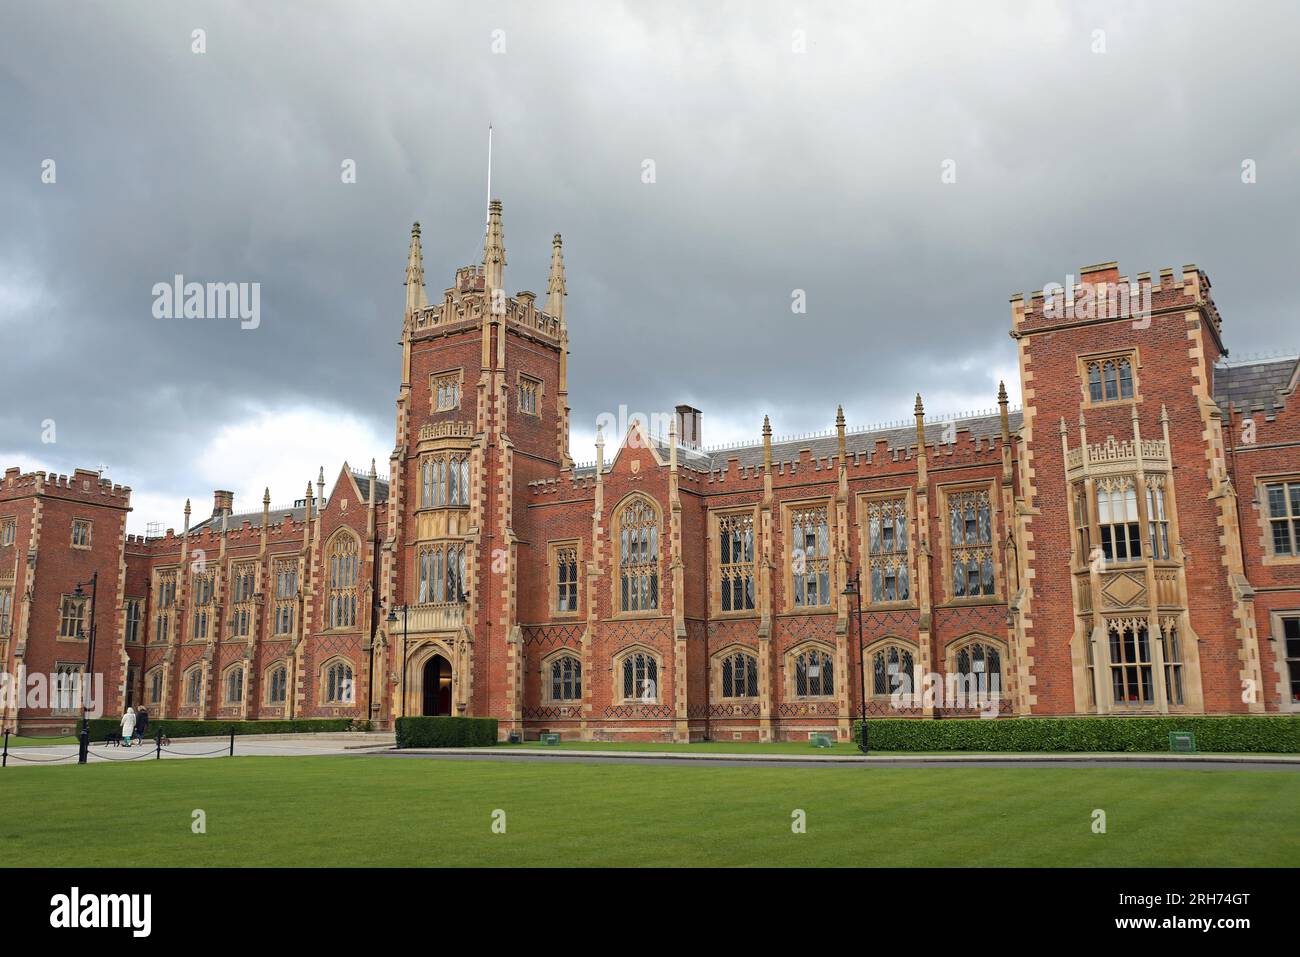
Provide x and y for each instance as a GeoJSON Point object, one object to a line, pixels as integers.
{"type": "Point", "coordinates": [488, 209]}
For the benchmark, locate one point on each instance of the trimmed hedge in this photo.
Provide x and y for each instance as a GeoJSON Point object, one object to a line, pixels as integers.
{"type": "Point", "coordinates": [446, 732]}
{"type": "Point", "coordinates": [1276, 734]}
{"type": "Point", "coordinates": [101, 727]}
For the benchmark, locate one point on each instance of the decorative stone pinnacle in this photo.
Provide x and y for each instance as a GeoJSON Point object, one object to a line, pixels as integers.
{"type": "Point", "coordinates": [919, 409]}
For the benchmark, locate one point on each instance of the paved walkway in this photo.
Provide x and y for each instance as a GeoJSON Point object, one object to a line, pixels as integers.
{"type": "Point", "coordinates": [383, 744]}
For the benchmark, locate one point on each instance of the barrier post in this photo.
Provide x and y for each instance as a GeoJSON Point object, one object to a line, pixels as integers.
{"type": "Point", "coordinates": [158, 753]}
{"type": "Point", "coordinates": [232, 742]}
{"type": "Point", "coordinates": [4, 762]}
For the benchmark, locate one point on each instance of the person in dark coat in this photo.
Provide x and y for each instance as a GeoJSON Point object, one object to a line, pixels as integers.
{"type": "Point", "coordinates": [142, 724]}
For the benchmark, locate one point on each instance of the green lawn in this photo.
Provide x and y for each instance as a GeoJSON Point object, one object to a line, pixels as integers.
{"type": "Point", "coordinates": [41, 742]}
{"type": "Point", "coordinates": [383, 811]}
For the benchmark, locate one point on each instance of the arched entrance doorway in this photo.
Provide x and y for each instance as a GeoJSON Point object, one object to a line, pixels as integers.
{"type": "Point", "coordinates": [437, 686]}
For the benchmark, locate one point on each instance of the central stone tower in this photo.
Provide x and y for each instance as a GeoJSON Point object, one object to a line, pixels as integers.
{"type": "Point", "coordinates": [482, 408]}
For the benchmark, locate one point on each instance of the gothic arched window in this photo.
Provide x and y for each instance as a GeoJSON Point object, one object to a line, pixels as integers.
{"type": "Point", "coordinates": [193, 685]}
{"type": "Point", "coordinates": [979, 663]}
{"type": "Point", "coordinates": [277, 684]}
{"type": "Point", "coordinates": [893, 671]}
{"type": "Point", "coordinates": [638, 562]}
{"type": "Point", "coordinates": [640, 677]}
{"type": "Point", "coordinates": [342, 564]}
{"type": "Point", "coordinates": [565, 674]}
{"type": "Point", "coordinates": [233, 682]}
{"type": "Point", "coordinates": [740, 675]}
{"type": "Point", "coordinates": [338, 683]}
{"type": "Point", "coordinates": [814, 674]}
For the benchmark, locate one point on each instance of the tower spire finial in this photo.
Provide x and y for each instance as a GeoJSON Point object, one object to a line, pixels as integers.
{"type": "Point", "coordinates": [488, 220]}
{"type": "Point", "coordinates": [494, 252]}
{"type": "Point", "coordinates": [416, 299]}
{"type": "Point", "coordinates": [555, 287]}
{"type": "Point", "coordinates": [839, 434]}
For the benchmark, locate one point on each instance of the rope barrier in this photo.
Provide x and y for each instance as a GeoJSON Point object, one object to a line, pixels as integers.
{"type": "Point", "coordinates": [134, 757]}
{"type": "Point", "coordinates": [145, 751]}
{"type": "Point", "coordinates": [16, 757]}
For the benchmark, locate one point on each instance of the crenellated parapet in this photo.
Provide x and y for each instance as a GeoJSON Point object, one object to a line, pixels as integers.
{"type": "Point", "coordinates": [1101, 294]}
{"type": "Point", "coordinates": [83, 485]}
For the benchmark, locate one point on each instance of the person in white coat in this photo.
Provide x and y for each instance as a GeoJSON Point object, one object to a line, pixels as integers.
{"type": "Point", "coordinates": [128, 726]}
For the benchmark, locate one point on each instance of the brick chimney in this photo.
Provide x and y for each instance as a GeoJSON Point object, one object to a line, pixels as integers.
{"type": "Point", "coordinates": [222, 502]}
{"type": "Point", "coordinates": [688, 426]}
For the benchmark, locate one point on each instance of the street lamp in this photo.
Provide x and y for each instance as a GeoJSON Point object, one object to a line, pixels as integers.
{"type": "Point", "coordinates": [392, 620]}
{"type": "Point", "coordinates": [854, 593]}
{"type": "Point", "coordinates": [90, 663]}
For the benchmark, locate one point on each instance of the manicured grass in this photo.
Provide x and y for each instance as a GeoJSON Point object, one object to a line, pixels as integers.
{"type": "Point", "coordinates": [41, 742]}
{"type": "Point", "coordinates": [393, 811]}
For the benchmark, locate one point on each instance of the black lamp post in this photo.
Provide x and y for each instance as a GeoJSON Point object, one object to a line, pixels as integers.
{"type": "Point", "coordinates": [90, 663]}
{"type": "Point", "coordinates": [392, 620]}
{"type": "Point", "coordinates": [854, 593]}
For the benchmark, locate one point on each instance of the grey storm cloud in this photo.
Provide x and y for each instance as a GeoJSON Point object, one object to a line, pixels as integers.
{"type": "Point", "coordinates": [775, 171]}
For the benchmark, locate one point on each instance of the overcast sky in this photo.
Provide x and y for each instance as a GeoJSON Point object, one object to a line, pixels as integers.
{"type": "Point", "coordinates": [776, 169]}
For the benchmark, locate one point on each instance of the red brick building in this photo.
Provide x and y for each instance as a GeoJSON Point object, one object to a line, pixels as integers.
{"type": "Point", "coordinates": [1129, 543]}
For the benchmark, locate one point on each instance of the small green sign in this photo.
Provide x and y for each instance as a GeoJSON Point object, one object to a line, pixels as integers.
{"type": "Point", "coordinates": [551, 738]}
{"type": "Point", "coordinates": [1182, 742]}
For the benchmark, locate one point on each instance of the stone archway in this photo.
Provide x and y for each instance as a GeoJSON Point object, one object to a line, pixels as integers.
{"type": "Point", "coordinates": [426, 678]}
{"type": "Point", "coordinates": [435, 693]}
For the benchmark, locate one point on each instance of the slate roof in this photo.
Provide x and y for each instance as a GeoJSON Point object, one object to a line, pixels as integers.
{"type": "Point", "coordinates": [363, 482]}
{"type": "Point", "coordinates": [1256, 386]}
{"type": "Point", "coordinates": [254, 519]}
{"type": "Point", "coordinates": [864, 440]}
{"type": "Point", "coordinates": [299, 512]}
{"type": "Point", "coordinates": [827, 445]}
